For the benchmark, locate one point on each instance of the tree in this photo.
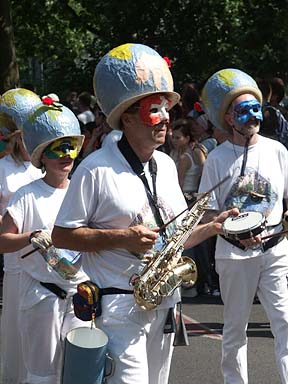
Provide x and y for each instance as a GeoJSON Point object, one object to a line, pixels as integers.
{"type": "Point", "coordinates": [68, 37]}
{"type": "Point", "coordinates": [9, 76]}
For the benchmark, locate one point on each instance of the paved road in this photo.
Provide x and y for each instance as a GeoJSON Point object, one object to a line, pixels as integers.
{"type": "Point", "coordinates": [199, 363]}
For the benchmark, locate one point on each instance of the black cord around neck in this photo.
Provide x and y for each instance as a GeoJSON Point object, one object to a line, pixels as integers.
{"type": "Point", "coordinates": [245, 156]}
{"type": "Point", "coordinates": [135, 163]}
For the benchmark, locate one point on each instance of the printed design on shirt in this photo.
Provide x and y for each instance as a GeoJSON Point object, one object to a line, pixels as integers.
{"type": "Point", "coordinates": [65, 262]}
{"type": "Point", "coordinates": [252, 192]}
{"type": "Point", "coordinates": [147, 218]}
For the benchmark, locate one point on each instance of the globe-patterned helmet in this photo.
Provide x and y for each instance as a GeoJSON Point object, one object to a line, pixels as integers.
{"type": "Point", "coordinates": [47, 122]}
{"type": "Point", "coordinates": [221, 89]}
{"type": "Point", "coordinates": [127, 74]}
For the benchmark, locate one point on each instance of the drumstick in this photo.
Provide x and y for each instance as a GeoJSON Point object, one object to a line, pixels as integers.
{"type": "Point", "coordinates": [190, 206]}
{"type": "Point", "coordinates": [274, 235]}
{"type": "Point", "coordinates": [29, 253]}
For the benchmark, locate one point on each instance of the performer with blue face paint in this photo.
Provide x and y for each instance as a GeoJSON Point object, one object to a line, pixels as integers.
{"type": "Point", "coordinates": [247, 263]}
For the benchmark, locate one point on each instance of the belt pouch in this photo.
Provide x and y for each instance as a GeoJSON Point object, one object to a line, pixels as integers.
{"type": "Point", "coordinates": [87, 301]}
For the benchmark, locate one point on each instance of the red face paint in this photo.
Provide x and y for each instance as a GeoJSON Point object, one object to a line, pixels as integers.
{"type": "Point", "coordinates": [154, 110]}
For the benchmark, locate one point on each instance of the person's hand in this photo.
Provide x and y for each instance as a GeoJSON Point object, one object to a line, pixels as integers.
{"type": "Point", "coordinates": [41, 239]}
{"type": "Point", "coordinates": [140, 238]}
{"type": "Point", "coordinates": [219, 220]}
{"type": "Point", "coordinates": [251, 242]}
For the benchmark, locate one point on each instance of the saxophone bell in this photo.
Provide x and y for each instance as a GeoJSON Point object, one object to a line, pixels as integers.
{"type": "Point", "coordinates": [184, 272]}
{"type": "Point", "coordinates": [187, 270]}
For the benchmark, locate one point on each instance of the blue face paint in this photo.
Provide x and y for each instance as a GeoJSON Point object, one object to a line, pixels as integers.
{"type": "Point", "coordinates": [247, 109]}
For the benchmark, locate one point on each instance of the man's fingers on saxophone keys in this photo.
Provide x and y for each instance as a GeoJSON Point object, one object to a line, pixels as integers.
{"type": "Point", "coordinates": [145, 233]}
{"type": "Point", "coordinates": [142, 238]}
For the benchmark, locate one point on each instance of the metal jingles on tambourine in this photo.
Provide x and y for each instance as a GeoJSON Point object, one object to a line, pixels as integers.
{"type": "Point", "coordinates": [244, 226]}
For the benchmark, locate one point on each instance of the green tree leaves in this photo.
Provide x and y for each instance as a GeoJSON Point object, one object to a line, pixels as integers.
{"type": "Point", "coordinates": [68, 37]}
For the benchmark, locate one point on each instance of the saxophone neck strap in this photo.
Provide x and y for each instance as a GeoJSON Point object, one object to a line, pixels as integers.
{"type": "Point", "coordinates": [134, 162]}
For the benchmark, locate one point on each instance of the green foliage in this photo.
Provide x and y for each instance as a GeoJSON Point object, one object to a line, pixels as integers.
{"type": "Point", "coordinates": [68, 37]}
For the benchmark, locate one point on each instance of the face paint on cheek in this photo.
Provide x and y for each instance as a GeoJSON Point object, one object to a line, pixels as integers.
{"type": "Point", "coordinates": [153, 110]}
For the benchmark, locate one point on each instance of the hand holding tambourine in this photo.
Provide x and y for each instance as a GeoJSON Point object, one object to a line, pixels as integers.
{"type": "Point", "coordinates": [245, 228]}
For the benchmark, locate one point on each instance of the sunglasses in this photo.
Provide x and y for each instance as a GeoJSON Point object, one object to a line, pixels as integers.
{"type": "Point", "coordinates": [61, 148]}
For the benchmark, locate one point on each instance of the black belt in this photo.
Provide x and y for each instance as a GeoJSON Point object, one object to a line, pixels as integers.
{"type": "Point", "coordinates": [55, 289]}
{"type": "Point", "coordinates": [103, 291]}
{"type": "Point", "coordinates": [114, 291]}
{"type": "Point", "coordinates": [264, 246]}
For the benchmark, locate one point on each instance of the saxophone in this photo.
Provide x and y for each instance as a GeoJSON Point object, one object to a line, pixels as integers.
{"type": "Point", "coordinates": [168, 269]}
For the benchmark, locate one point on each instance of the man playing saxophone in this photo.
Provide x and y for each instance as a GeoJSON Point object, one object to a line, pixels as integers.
{"type": "Point", "coordinates": [120, 199]}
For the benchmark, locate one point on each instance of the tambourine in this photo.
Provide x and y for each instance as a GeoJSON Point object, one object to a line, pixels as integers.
{"type": "Point", "coordinates": [244, 226]}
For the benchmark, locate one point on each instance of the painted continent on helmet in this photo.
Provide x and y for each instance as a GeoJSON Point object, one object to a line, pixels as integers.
{"type": "Point", "coordinates": [122, 52]}
{"type": "Point", "coordinates": [227, 77]}
{"type": "Point", "coordinates": [153, 65]}
{"type": "Point", "coordinates": [10, 97]}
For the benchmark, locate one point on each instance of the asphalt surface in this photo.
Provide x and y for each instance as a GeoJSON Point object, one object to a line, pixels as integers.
{"type": "Point", "coordinates": [199, 363]}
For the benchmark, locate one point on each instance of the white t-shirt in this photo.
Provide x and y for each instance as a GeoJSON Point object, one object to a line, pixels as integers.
{"type": "Point", "coordinates": [33, 207]}
{"type": "Point", "coordinates": [192, 176]}
{"type": "Point", "coordinates": [114, 135]}
{"type": "Point", "coordinates": [266, 173]}
{"type": "Point", "coordinates": [86, 117]}
{"type": "Point", "coordinates": [12, 177]}
{"type": "Point", "coordinates": [105, 193]}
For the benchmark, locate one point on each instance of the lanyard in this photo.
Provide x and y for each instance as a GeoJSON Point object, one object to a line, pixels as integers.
{"type": "Point", "coordinates": [131, 157]}
{"type": "Point", "coordinates": [244, 162]}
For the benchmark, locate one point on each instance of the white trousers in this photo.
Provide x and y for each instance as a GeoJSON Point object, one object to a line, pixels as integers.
{"type": "Point", "coordinates": [141, 351]}
{"type": "Point", "coordinates": [240, 280]}
{"type": "Point", "coordinates": [43, 329]}
{"type": "Point", "coordinates": [12, 366]}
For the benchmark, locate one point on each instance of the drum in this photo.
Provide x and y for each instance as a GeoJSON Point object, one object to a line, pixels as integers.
{"type": "Point", "coordinates": [244, 226]}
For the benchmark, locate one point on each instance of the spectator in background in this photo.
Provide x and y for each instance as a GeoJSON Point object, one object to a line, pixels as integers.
{"type": "Point", "coordinates": [71, 101]}
{"type": "Point", "coordinates": [219, 135]}
{"type": "Point", "coordinates": [100, 117]}
{"type": "Point", "coordinates": [278, 94]}
{"type": "Point", "coordinates": [274, 124]}
{"type": "Point", "coordinates": [92, 134]}
{"type": "Point", "coordinates": [189, 96]}
{"type": "Point", "coordinates": [201, 129]}
{"type": "Point", "coordinates": [85, 114]}
{"type": "Point", "coordinates": [175, 114]}
{"type": "Point", "coordinates": [188, 171]}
